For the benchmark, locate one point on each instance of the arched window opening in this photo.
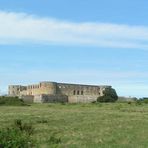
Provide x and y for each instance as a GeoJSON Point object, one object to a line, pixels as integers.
{"type": "Point", "coordinates": [78, 92]}
{"type": "Point", "coordinates": [82, 92]}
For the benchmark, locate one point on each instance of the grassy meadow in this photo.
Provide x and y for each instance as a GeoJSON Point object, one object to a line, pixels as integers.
{"type": "Point", "coordinates": [105, 125]}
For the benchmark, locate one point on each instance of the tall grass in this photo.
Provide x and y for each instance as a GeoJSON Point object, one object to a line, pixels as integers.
{"type": "Point", "coordinates": [17, 136]}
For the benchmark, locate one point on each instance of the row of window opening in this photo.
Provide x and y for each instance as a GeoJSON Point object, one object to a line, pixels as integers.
{"type": "Point", "coordinates": [88, 88]}
{"type": "Point", "coordinates": [78, 92]}
{"type": "Point", "coordinates": [33, 86]}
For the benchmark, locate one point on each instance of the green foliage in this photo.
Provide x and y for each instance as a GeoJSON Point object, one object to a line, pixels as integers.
{"type": "Point", "coordinates": [144, 100]}
{"type": "Point", "coordinates": [11, 101]}
{"type": "Point", "coordinates": [94, 102]}
{"type": "Point", "coordinates": [141, 101]}
{"type": "Point", "coordinates": [129, 102]}
{"type": "Point", "coordinates": [17, 136]}
{"type": "Point", "coordinates": [110, 95]}
{"type": "Point", "coordinates": [42, 121]}
{"type": "Point", "coordinates": [138, 102]}
{"type": "Point", "coordinates": [12, 138]}
{"type": "Point", "coordinates": [24, 127]}
{"type": "Point", "coordinates": [54, 140]}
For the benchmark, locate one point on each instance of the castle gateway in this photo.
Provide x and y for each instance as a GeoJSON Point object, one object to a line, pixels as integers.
{"type": "Point", "coordinates": [57, 92]}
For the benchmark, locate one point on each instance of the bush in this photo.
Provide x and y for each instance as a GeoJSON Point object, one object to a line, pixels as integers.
{"type": "Point", "coordinates": [11, 101]}
{"type": "Point", "coordinates": [105, 99]}
{"type": "Point", "coordinates": [12, 138]}
{"type": "Point", "coordinates": [110, 95]}
{"type": "Point", "coordinates": [129, 102]}
{"type": "Point", "coordinates": [138, 102]}
{"type": "Point", "coordinates": [17, 136]}
{"type": "Point", "coordinates": [144, 100]}
{"type": "Point", "coordinates": [94, 102]}
{"type": "Point", "coordinates": [24, 127]}
{"type": "Point", "coordinates": [42, 121]}
{"type": "Point", "coordinates": [54, 140]}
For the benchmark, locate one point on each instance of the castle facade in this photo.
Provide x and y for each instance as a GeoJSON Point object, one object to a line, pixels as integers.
{"type": "Point", "coordinates": [58, 92]}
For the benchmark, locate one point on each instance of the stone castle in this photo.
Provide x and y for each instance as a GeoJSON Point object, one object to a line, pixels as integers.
{"type": "Point", "coordinates": [57, 92]}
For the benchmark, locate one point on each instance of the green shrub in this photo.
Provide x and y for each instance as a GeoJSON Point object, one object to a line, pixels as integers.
{"type": "Point", "coordinates": [105, 99]}
{"type": "Point", "coordinates": [138, 102]}
{"type": "Point", "coordinates": [12, 138]}
{"type": "Point", "coordinates": [129, 102]}
{"type": "Point", "coordinates": [54, 140]}
{"type": "Point", "coordinates": [11, 101]}
{"type": "Point", "coordinates": [18, 136]}
{"type": "Point", "coordinates": [63, 103]}
{"type": "Point", "coordinates": [109, 95]}
{"type": "Point", "coordinates": [24, 127]}
{"type": "Point", "coordinates": [42, 121]}
{"type": "Point", "coordinates": [94, 102]}
{"type": "Point", "coordinates": [142, 100]}
{"type": "Point", "coordinates": [145, 100]}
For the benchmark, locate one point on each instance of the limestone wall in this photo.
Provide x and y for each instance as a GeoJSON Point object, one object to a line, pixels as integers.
{"type": "Point", "coordinates": [45, 91]}
{"type": "Point", "coordinates": [82, 99]}
{"type": "Point", "coordinates": [35, 89]}
{"type": "Point", "coordinates": [50, 98]}
{"type": "Point", "coordinates": [42, 88]}
{"type": "Point", "coordinates": [27, 98]}
{"type": "Point", "coordinates": [14, 90]}
{"type": "Point", "coordinates": [76, 89]}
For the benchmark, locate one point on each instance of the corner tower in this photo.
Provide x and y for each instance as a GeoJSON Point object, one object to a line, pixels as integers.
{"type": "Point", "coordinates": [48, 88]}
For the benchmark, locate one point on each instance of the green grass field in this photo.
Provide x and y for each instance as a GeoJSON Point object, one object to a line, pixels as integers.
{"type": "Point", "coordinates": [114, 125]}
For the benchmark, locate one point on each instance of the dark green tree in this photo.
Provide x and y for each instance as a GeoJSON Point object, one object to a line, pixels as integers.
{"type": "Point", "coordinates": [109, 95]}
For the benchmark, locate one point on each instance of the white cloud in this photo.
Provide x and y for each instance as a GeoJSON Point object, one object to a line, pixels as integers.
{"type": "Point", "coordinates": [16, 28]}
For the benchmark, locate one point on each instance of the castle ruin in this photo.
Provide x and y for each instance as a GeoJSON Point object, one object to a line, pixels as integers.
{"type": "Point", "coordinates": [57, 92]}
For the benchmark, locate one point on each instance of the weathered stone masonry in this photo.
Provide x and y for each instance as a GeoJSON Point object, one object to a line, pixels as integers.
{"type": "Point", "coordinates": [58, 92]}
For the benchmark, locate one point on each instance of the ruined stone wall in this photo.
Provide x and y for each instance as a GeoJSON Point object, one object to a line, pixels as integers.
{"type": "Point", "coordinates": [82, 99]}
{"type": "Point", "coordinates": [74, 92]}
{"type": "Point", "coordinates": [50, 98]}
{"type": "Point", "coordinates": [42, 88]}
{"type": "Point", "coordinates": [14, 90]}
{"type": "Point", "coordinates": [27, 98]}
{"type": "Point", "coordinates": [80, 93]}
{"type": "Point", "coordinates": [76, 89]}
{"type": "Point", "coordinates": [35, 89]}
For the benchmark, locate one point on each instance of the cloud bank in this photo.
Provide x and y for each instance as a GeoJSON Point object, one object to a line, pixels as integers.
{"type": "Point", "coordinates": [18, 28]}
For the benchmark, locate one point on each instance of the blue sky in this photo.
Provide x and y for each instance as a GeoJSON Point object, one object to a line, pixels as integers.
{"type": "Point", "coordinates": [77, 41]}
